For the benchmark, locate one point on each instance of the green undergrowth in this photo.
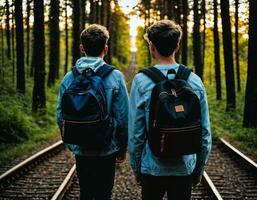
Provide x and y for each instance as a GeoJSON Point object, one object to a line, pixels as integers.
{"type": "Point", "coordinates": [230, 124]}
{"type": "Point", "coordinates": [21, 130]}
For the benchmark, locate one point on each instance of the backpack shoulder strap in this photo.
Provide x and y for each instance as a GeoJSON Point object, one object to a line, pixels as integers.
{"type": "Point", "coordinates": [75, 71]}
{"type": "Point", "coordinates": [183, 72]}
{"type": "Point", "coordinates": [153, 73]}
{"type": "Point", "coordinates": [104, 70]}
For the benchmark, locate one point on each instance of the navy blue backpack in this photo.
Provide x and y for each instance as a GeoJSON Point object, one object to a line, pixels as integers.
{"type": "Point", "coordinates": [84, 110]}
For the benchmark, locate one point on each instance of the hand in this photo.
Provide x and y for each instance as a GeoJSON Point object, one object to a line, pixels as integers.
{"type": "Point", "coordinates": [138, 180]}
{"type": "Point", "coordinates": [197, 180]}
{"type": "Point", "coordinates": [121, 157]}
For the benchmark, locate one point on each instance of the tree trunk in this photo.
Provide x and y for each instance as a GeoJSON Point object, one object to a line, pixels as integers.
{"type": "Point", "coordinates": [28, 33]}
{"type": "Point", "coordinates": [196, 42]}
{"type": "Point", "coordinates": [228, 55]}
{"type": "Point", "coordinates": [250, 110]}
{"type": "Point", "coordinates": [108, 57]}
{"type": "Point", "coordinates": [92, 11]}
{"type": "Point", "coordinates": [75, 31]}
{"type": "Point", "coordinates": [66, 39]}
{"type": "Point", "coordinates": [13, 48]}
{"type": "Point", "coordinates": [83, 15]}
{"type": "Point", "coordinates": [39, 98]}
{"type": "Point", "coordinates": [204, 31]}
{"type": "Point", "coordinates": [184, 37]}
{"type": "Point", "coordinates": [19, 46]}
{"type": "Point", "coordinates": [2, 49]}
{"type": "Point", "coordinates": [54, 37]}
{"type": "Point", "coordinates": [216, 51]}
{"type": "Point", "coordinates": [237, 48]}
{"type": "Point", "coordinates": [8, 38]}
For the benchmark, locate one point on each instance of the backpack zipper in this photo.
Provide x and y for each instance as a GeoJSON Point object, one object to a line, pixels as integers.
{"type": "Point", "coordinates": [82, 122]}
{"type": "Point", "coordinates": [184, 129]}
{"type": "Point", "coordinates": [162, 141]}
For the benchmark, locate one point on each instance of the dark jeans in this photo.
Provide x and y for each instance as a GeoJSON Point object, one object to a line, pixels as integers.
{"type": "Point", "coordinates": [96, 177]}
{"type": "Point", "coordinates": [177, 187]}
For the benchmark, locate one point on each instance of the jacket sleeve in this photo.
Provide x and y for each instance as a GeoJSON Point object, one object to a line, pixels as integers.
{"type": "Point", "coordinates": [202, 157]}
{"type": "Point", "coordinates": [120, 112]}
{"type": "Point", "coordinates": [59, 106]}
{"type": "Point", "coordinates": [136, 127]}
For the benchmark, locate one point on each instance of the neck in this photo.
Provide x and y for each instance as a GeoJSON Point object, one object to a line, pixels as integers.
{"type": "Point", "coordinates": [165, 60]}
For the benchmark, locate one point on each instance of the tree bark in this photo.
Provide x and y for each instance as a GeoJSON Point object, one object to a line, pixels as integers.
{"type": "Point", "coordinates": [250, 110]}
{"type": "Point", "coordinates": [39, 98]}
{"type": "Point", "coordinates": [196, 42]}
{"type": "Point", "coordinates": [8, 38]}
{"type": "Point", "coordinates": [28, 33]}
{"type": "Point", "coordinates": [204, 31]}
{"type": "Point", "coordinates": [19, 47]}
{"type": "Point", "coordinates": [237, 48]}
{"type": "Point", "coordinates": [83, 15]}
{"type": "Point", "coordinates": [92, 11]}
{"type": "Point", "coordinates": [13, 48]}
{"type": "Point", "coordinates": [217, 51]}
{"type": "Point", "coordinates": [185, 33]}
{"type": "Point", "coordinates": [228, 55]}
{"type": "Point", "coordinates": [66, 39]}
{"type": "Point", "coordinates": [54, 37]}
{"type": "Point", "coordinates": [76, 31]}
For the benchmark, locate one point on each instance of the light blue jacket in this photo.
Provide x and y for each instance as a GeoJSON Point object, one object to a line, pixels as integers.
{"type": "Point", "coordinates": [117, 106]}
{"type": "Point", "coordinates": [142, 159]}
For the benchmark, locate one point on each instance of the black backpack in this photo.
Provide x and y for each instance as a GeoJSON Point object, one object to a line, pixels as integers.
{"type": "Point", "coordinates": [84, 110]}
{"type": "Point", "coordinates": [175, 115]}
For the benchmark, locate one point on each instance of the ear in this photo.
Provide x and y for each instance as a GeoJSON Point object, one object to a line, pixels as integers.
{"type": "Point", "coordinates": [152, 49]}
{"type": "Point", "coordinates": [106, 49]}
{"type": "Point", "coordinates": [82, 50]}
{"type": "Point", "coordinates": [177, 48]}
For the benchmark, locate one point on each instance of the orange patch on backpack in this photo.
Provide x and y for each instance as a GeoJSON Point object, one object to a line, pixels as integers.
{"type": "Point", "coordinates": [179, 108]}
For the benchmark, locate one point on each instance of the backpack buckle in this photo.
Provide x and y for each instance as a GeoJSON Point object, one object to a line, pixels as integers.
{"type": "Point", "coordinates": [173, 92]}
{"type": "Point", "coordinates": [87, 72]}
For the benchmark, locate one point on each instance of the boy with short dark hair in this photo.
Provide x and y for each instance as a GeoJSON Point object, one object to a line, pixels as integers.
{"type": "Point", "coordinates": [175, 174]}
{"type": "Point", "coordinates": [96, 168]}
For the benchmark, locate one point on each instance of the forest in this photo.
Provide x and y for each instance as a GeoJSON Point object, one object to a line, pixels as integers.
{"type": "Point", "coordinates": [39, 44]}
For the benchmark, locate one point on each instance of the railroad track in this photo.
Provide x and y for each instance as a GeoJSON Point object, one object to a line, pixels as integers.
{"type": "Point", "coordinates": [39, 176]}
{"type": "Point", "coordinates": [125, 187]}
{"type": "Point", "coordinates": [233, 173]}
{"type": "Point", "coordinates": [51, 174]}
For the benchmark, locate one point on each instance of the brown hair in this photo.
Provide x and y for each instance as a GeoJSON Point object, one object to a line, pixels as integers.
{"type": "Point", "coordinates": [94, 38]}
{"type": "Point", "coordinates": [165, 35]}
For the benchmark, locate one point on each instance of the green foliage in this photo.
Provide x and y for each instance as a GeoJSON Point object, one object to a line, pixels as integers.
{"type": "Point", "coordinates": [120, 38]}
{"type": "Point", "coordinates": [20, 129]}
{"type": "Point", "coordinates": [142, 48]}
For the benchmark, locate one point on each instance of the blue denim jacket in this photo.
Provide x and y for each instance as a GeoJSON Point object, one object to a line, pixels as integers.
{"type": "Point", "coordinates": [142, 159]}
{"type": "Point", "coordinates": [117, 106]}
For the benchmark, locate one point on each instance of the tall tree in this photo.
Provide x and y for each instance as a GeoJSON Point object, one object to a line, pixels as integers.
{"type": "Point", "coordinates": [92, 11]}
{"type": "Point", "coordinates": [216, 51]}
{"type": "Point", "coordinates": [250, 110]}
{"type": "Point", "coordinates": [184, 37]}
{"type": "Point", "coordinates": [19, 46]}
{"type": "Point", "coordinates": [204, 30]}
{"type": "Point", "coordinates": [54, 37]}
{"type": "Point", "coordinates": [237, 47]}
{"type": "Point", "coordinates": [108, 25]}
{"type": "Point", "coordinates": [28, 32]}
{"type": "Point", "coordinates": [75, 30]}
{"type": "Point", "coordinates": [39, 98]}
{"type": "Point", "coordinates": [2, 44]}
{"type": "Point", "coordinates": [13, 47]}
{"type": "Point", "coordinates": [8, 39]}
{"type": "Point", "coordinates": [66, 38]}
{"type": "Point", "coordinates": [228, 55]}
{"type": "Point", "coordinates": [196, 42]}
{"type": "Point", "coordinates": [83, 14]}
